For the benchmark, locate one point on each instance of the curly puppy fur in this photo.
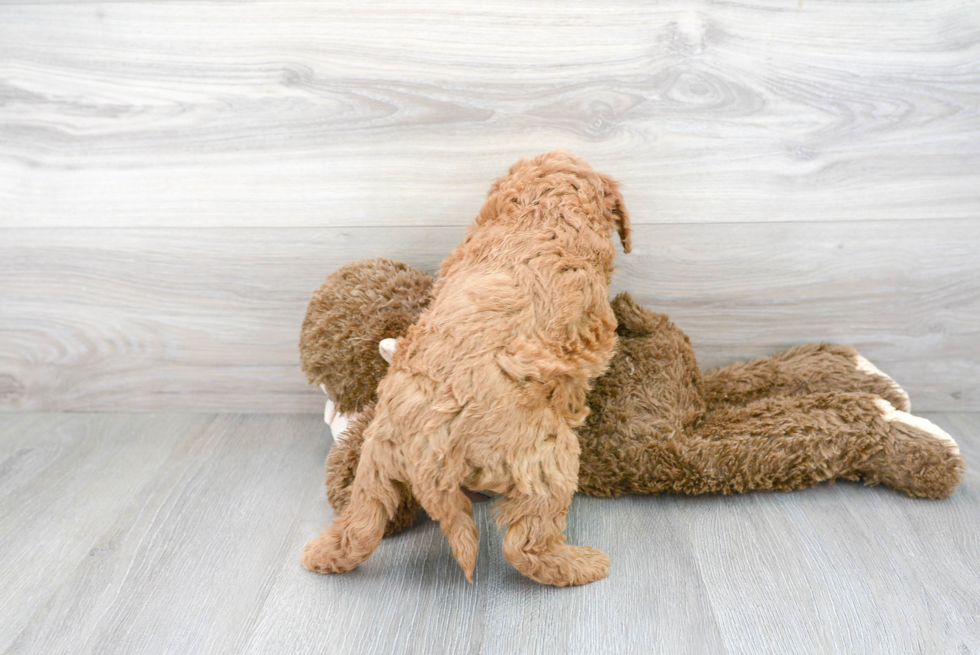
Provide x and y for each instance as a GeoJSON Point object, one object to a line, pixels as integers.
{"type": "Point", "coordinates": [486, 388]}
{"type": "Point", "coordinates": [341, 467]}
{"type": "Point", "coordinates": [808, 415]}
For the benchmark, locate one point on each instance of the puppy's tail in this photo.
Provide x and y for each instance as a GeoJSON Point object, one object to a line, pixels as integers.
{"type": "Point", "coordinates": [454, 511]}
{"type": "Point", "coordinates": [438, 477]}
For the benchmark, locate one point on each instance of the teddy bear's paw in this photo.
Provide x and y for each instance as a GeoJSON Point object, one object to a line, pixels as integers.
{"type": "Point", "coordinates": [916, 425]}
{"type": "Point", "coordinates": [919, 457]}
{"type": "Point", "coordinates": [890, 390]}
{"type": "Point", "coordinates": [338, 423]}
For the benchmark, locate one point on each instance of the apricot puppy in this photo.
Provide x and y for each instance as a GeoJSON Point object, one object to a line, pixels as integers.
{"type": "Point", "coordinates": [485, 389]}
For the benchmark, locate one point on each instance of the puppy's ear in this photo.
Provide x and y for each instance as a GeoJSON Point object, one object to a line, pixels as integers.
{"type": "Point", "coordinates": [616, 211]}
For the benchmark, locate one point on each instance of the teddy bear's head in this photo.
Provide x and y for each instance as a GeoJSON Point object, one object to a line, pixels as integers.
{"type": "Point", "coordinates": [355, 308]}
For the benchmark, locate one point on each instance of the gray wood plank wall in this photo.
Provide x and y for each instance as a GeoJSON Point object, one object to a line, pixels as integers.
{"type": "Point", "coordinates": [177, 178]}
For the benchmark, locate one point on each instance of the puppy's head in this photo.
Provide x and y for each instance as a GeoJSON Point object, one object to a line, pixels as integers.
{"type": "Point", "coordinates": [529, 179]}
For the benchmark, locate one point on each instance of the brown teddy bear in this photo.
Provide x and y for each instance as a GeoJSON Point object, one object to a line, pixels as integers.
{"type": "Point", "coordinates": [812, 414]}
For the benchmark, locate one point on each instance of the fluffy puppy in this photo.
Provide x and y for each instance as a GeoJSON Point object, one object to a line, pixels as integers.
{"type": "Point", "coordinates": [485, 389]}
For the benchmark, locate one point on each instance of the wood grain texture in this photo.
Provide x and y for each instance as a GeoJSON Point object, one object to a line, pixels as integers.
{"type": "Point", "coordinates": [179, 563]}
{"type": "Point", "coordinates": [314, 113]}
{"type": "Point", "coordinates": [63, 479]}
{"type": "Point", "coordinates": [177, 177]}
{"type": "Point", "coordinates": [178, 320]}
{"type": "Point", "coordinates": [181, 533]}
{"type": "Point", "coordinates": [843, 566]}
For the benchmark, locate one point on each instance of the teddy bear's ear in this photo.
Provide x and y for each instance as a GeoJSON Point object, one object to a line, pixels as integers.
{"type": "Point", "coordinates": [634, 319]}
{"type": "Point", "coordinates": [616, 211]}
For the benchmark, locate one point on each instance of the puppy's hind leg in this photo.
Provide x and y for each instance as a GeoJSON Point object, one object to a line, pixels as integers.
{"type": "Point", "coordinates": [352, 537]}
{"type": "Point", "coordinates": [534, 542]}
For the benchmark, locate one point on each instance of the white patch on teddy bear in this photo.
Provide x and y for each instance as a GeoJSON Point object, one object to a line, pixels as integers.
{"type": "Point", "coordinates": [889, 413]}
{"type": "Point", "coordinates": [865, 366]}
{"type": "Point", "coordinates": [339, 423]}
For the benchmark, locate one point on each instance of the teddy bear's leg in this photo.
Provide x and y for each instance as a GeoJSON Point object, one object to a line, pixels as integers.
{"type": "Point", "coordinates": [785, 443]}
{"type": "Point", "coordinates": [918, 456]}
{"type": "Point", "coordinates": [353, 535]}
{"type": "Point", "coordinates": [790, 442]}
{"type": "Point", "coordinates": [534, 542]}
{"type": "Point", "coordinates": [810, 368]}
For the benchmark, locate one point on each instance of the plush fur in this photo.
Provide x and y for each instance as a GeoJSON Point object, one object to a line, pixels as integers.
{"type": "Point", "coordinates": [812, 414]}
{"type": "Point", "coordinates": [486, 387]}
{"type": "Point", "coordinates": [373, 296]}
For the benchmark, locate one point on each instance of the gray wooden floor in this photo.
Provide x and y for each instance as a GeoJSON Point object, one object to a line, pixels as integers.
{"type": "Point", "coordinates": [150, 533]}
